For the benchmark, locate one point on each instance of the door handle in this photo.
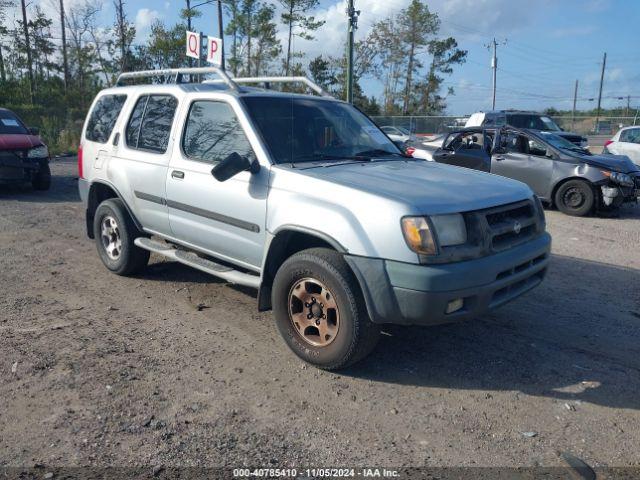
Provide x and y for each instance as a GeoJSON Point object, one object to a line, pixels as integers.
{"type": "Point", "coordinates": [177, 174]}
{"type": "Point", "coordinates": [499, 159]}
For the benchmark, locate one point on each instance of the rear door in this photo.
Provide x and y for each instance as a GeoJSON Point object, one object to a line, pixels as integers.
{"type": "Point", "coordinates": [224, 218]}
{"type": "Point", "coordinates": [465, 149]}
{"type": "Point", "coordinates": [524, 158]}
{"type": "Point", "coordinates": [142, 154]}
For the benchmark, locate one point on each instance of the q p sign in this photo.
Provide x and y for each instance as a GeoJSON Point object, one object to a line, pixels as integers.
{"type": "Point", "coordinates": [193, 44]}
{"type": "Point", "coordinates": [214, 51]}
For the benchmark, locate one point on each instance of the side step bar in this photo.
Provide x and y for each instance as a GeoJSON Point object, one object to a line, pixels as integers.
{"type": "Point", "coordinates": [193, 260]}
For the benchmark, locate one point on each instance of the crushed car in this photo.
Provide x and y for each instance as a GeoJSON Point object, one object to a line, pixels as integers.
{"type": "Point", "coordinates": [558, 171]}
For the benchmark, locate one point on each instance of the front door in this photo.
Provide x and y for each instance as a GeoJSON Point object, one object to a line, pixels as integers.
{"type": "Point", "coordinates": [524, 159]}
{"type": "Point", "coordinates": [466, 149]}
{"type": "Point", "coordinates": [227, 218]}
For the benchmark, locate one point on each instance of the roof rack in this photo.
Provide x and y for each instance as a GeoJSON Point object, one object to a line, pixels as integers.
{"type": "Point", "coordinates": [177, 73]}
{"type": "Point", "coordinates": [174, 75]}
{"type": "Point", "coordinates": [267, 80]}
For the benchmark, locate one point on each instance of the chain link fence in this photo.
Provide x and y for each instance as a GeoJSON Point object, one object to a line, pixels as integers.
{"type": "Point", "coordinates": [584, 125]}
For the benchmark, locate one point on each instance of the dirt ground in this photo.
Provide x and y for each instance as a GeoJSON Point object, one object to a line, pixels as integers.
{"type": "Point", "coordinates": [97, 369]}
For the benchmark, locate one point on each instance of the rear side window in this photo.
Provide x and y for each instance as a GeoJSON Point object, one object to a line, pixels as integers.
{"type": "Point", "coordinates": [150, 123]}
{"type": "Point", "coordinates": [213, 132]}
{"type": "Point", "coordinates": [103, 117]}
{"type": "Point", "coordinates": [631, 135]}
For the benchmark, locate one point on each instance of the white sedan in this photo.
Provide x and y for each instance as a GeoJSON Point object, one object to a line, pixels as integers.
{"type": "Point", "coordinates": [397, 134]}
{"type": "Point", "coordinates": [425, 147]}
{"type": "Point", "coordinates": [625, 142]}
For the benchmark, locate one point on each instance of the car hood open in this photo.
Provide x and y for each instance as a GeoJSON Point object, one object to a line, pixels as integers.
{"type": "Point", "coordinates": [429, 187]}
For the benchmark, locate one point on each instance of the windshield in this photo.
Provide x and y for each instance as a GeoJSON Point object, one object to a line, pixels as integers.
{"type": "Point", "coordinates": [307, 129]}
{"type": "Point", "coordinates": [559, 142]}
{"type": "Point", "coordinates": [10, 124]}
{"type": "Point", "coordinates": [534, 122]}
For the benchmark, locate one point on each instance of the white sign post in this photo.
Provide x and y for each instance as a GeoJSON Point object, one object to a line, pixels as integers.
{"type": "Point", "coordinates": [214, 50]}
{"type": "Point", "coordinates": [193, 44]}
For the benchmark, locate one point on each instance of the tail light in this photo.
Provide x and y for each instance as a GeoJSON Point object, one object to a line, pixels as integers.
{"type": "Point", "coordinates": [608, 142]}
{"type": "Point", "coordinates": [80, 172]}
{"type": "Point", "coordinates": [409, 151]}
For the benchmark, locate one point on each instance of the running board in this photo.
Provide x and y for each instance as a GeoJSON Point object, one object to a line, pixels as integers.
{"type": "Point", "coordinates": [193, 260]}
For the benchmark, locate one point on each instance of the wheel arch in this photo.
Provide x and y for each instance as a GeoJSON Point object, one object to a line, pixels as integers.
{"type": "Point", "coordinates": [100, 191]}
{"type": "Point", "coordinates": [286, 241]}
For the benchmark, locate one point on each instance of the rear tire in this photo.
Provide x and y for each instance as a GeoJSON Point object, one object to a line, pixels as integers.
{"type": "Point", "coordinates": [575, 198]}
{"type": "Point", "coordinates": [114, 233]}
{"type": "Point", "coordinates": [319, 310]}
{"type": "Point", "coordinates": [42, 180]}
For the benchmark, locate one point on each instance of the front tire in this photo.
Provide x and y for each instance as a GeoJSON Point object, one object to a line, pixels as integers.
{"type": "Point", "coordinates": [319, 310]}
{"type": "Point", "coordinates": [575, 198]}
{"type": "Point", "coordinates": [114, 233]}
{"type": "Point", "coordinates": [42, 179]}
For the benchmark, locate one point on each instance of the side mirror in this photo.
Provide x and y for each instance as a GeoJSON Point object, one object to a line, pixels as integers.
{"type": "Point", "coordinates": [232, 165]}
{"type": "Point", "coordinates": [549, 153]}
{"type": "Point", "coordinates": [34, 131]}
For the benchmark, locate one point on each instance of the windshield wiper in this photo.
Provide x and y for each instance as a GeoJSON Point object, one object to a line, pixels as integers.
{"type": "Point", "coordinates": [376, 152]}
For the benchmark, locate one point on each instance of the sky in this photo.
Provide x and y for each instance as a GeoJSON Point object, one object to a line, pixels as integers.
{"type": "Point", "coordinates": [544, 46]}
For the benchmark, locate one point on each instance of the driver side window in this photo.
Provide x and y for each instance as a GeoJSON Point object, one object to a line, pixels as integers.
{"type": "Point", "coordinates": [212, 132]}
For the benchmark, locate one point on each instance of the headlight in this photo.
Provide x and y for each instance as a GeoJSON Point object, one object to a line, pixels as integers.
{"type": "Point", "coordinates": [419, 232]}
{"type": "Point", "coordinates": [450, 229]}
{"type": "Point", "coordinates": [621, 178]}
{"type": "Point", "coordinates": [418, 236]}
{"type": "Point", "coordinates": [39, 152]}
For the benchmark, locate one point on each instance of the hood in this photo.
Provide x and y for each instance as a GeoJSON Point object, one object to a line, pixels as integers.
{"type": "Point", "coordinates": [615, 163]}
{"type": "Point", "coordinates": [19, 141]}
{"type": "Point", "coordinates": [428, 187]}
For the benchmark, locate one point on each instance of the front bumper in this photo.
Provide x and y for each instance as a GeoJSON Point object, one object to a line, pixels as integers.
{"type": "Point", "coordinates": [413, 294]}
{"type": "Point", "coordinates": [14, 169]}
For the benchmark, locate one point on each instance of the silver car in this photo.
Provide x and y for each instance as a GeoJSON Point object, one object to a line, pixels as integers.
{"type": "Point", "coordinates": [305, 199]}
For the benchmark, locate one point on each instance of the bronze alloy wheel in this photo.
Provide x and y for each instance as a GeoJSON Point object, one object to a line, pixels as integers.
{"type": "Point", "coordinates": [313, 312]}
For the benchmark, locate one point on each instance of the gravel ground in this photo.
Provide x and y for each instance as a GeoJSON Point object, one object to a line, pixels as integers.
{"type": "Point", "coordinates": [102, 370]}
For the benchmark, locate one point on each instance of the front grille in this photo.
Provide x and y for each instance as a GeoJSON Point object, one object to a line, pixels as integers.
{"type": "Point", "coordinates": [511, 225]}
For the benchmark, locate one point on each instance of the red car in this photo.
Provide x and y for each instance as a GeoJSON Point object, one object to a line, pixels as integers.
{"type": "Point", "coordinates": [24, 158]}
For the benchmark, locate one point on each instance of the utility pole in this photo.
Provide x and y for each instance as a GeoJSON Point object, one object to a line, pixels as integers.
{"type": "Point", "coordinates": [575, 99]}
{"type": "Point", "coordinates": [352, 15]}
{"type": "Point", "coordinates": [604, 64]}
{"type": "Point", "coordinates": [189, 26]}
{"type": "Point", "coordinates": [626, 113]}
{"type": "Point", "coordinates": [494, 66]}
{"type": "Point", "coordinates": [28, 47]}
{"type": "Point", "coordinates": [221, 33]}
{"type": "Point", "coordinates": [64, 47]}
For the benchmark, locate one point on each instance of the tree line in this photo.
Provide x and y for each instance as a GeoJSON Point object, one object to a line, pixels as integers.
{"type": "Point", "coordinates": [51, 68]}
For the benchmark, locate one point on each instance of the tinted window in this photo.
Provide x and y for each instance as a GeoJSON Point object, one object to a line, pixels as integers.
{"type": "Point", "coordinates": [213, 132]}
{"type": "Point", "coordinates": [150, 123]}
{"type": "Point", "coordinates": [133, 128]}
{"type": "Point", "coordinates": [534, 122]}
{"type": "Point", "coordinates": [9, 124]}
{"type": "Point", "coordinates": [103, 117]}
{"type": "Point", "coordinates": [316, 130]}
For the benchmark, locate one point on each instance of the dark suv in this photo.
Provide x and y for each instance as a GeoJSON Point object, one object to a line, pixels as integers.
{"type": "Point", "coordinates": [526, 120]}
{"type": "Point", "coordinates": [24, 158]}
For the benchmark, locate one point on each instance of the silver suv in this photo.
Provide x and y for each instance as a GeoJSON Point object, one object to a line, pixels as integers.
{"type": "Point", "coordinates": [303, 198]}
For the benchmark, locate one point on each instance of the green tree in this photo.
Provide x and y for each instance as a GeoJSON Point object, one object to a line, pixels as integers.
{"type": "Point", "coordinates": [298, 23]}
{"type": "Point", "coordinates": [417, 26]}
